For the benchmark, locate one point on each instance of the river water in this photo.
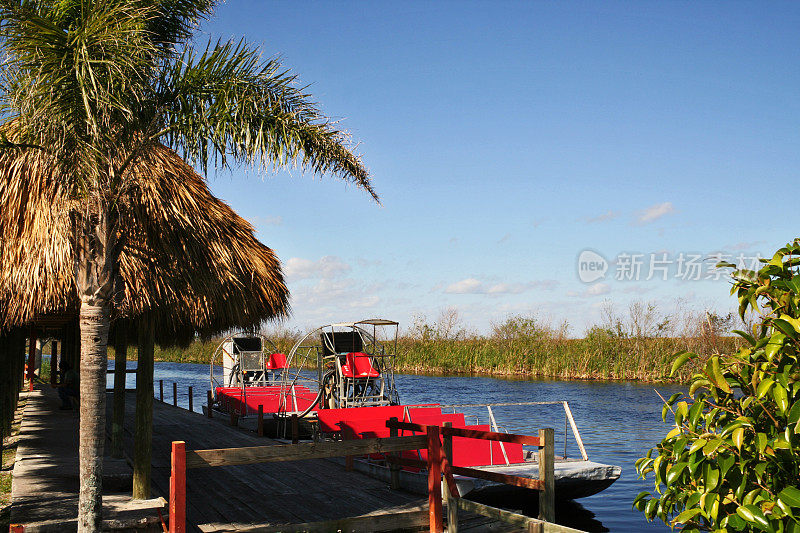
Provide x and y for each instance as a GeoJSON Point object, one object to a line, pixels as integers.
{"type": "Point", "coordinates": [618, 422]}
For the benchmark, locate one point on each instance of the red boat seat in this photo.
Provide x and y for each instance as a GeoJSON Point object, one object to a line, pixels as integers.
{"type": "Point", "coordinates": [428, 410]}
{"type": "Point", "coordinates": [277, 361]}
{"type": "Point", "coordinates": [359, 365]}
{"type": "Point", "coordinates": [329, 419]}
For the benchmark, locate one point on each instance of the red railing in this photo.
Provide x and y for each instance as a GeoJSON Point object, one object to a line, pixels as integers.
{"type": "Point", "coordinates": [438, 464]}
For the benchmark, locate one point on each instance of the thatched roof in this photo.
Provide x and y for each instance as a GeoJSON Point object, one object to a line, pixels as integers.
{"type": "Point", "coordinates": [187, 256]}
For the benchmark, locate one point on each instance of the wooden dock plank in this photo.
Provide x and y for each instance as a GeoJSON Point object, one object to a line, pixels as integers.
{"type": "Point", "coordinates": [270, 493]}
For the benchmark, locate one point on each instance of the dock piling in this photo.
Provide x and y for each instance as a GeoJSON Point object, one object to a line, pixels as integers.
{"type": "Point", "coordinates": [208, 397]}
{"type": "Point", "coordinates": [161, 390]}
{"type": "Point", "coordinates": [191, 399]}
{"type": "Point", "coordinates": [174, 394]}
{"type": "Point", "coordinates": [394, 468]}
{"type": "Point", "coordinates": [177, 488]}
{"type": "Point", "coordinates": [452, 503]}
{"type": "Point", "coordinates": [260, 420]}
{"type": "Point", "coordinates": [295, 429]}
{"type": "Point", "coordinates": [434, 479]}
{"type": "Point", "coordinates": [547, 499]}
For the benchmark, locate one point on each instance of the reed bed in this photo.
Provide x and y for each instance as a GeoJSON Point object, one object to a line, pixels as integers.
{"type": "Point", "coordinates": [637, 344]}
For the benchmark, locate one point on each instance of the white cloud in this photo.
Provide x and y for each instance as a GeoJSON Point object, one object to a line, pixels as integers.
{"type": "Point", "coordinates": [327, 267]}
{"type": "Point", "coordinates": [605, 217]}
{"type": "Point", "coordinates": [654, 212]}
{"type": "Point", "coordinates": [598, 289]}
{"type": "Point", "coordinates": [465, 286]}
{"type": "Point", "coordinates": [474, 286]}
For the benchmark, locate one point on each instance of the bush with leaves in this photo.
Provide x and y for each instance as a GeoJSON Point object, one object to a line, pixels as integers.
{"type": "Point", "coordinates": [732, 461]}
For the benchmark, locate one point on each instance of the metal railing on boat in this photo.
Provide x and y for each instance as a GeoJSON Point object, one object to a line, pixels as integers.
{"type": "Point", "coordinates": [568, 419]}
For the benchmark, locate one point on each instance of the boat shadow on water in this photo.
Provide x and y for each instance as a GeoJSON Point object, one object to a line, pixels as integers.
{"type": "Point", "coordinates": [568, 512]}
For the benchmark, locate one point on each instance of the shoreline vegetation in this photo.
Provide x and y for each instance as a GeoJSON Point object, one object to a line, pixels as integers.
{"type": "Point", "coordinates": [637, 345]}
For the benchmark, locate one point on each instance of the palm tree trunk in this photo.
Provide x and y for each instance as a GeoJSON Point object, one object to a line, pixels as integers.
{"type": "Point", "coordinates": [95, 321]}
{"type": "Point", "coordinates": [143, 439]}
{"type": "Point", "coordinates": [97, 259]}
{"type": "Point", "coordinates": [120, 376]}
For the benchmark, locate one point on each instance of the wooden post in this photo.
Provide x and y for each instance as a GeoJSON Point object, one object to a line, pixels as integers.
{"type": "Point", "coordinates": [260, 420]}
{"type": "Point", "coordinates": [452, 503]}
{"type": "Point", "coordinates": [31, 357]}
{"type": "Point", "coordinates": [174, 394]}
{"type": "Point", "coordinates": [191, 399]}
{"type": "Point", "coordinates": [394, 469]}
{"type": "Point", "coordinates": [295, 429]}
{"type": "Point", "coordinates": [209, 400]}
{"type": "Point", "coordinates": [53, 362]}
{"type": "Point", "coordinates": [547, 499]}
{"type": "Point", "coordinates": [434, 480]}
{"type": "Point", "coordinates": [349, 459]}
{"type": "Point", "coordinates": [143, 438]}
{"type": "Point", "coordinates": [535, 527]}
{"type": "Point", "coordinates": [177, 488]}
{"type": "Point", "coordinates": [120, 376]}
{"type": "Point", "coordinates": [161, 390]}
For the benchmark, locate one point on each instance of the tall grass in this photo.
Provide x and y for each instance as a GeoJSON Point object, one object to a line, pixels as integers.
{"type": "Point", "coordinates": [638, 344]}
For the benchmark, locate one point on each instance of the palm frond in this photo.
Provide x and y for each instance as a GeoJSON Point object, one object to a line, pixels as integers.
{"type": "Point", "coordinates": [186, 256]}
{"type": "Point", "coordinates": [227, 103]}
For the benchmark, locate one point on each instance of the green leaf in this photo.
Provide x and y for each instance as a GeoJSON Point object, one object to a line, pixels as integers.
{"type": "Point", "coordinates": [714, 373]}
{"type": "Point", "coordinates": [680, 359]}
{"type": "Point", "coordinates": [737, 436]}
{"type": "Point", "coordinates": [764, 387]}
{"type": "Point", "coordinates": [675, 471]}
{"type": "Point", "coordinates": [754, 515]}
{"type": "Point", "coordinates": [712, 446]}
{"type": "Point", "coordinates": [791, 496]}
{"type": "Point", "coordinates": [698, 444]}
{"type": "Point", "coordinates": [781, 399]}
{"type": "Point", "coordinates": [746, 336]}
{"type": "Point", "coordinates": [794, 413]}
{"type": "Point", "coordinates": [685, 516]}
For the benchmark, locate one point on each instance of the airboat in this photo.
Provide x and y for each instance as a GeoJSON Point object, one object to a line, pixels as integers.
{"type": "Point", "coordinates": [338, 382]}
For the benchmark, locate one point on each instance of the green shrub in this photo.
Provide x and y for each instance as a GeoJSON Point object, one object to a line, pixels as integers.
{"type": "Point", "coordinates": [732, 462]}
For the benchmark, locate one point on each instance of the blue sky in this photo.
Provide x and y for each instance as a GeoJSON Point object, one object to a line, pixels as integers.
{"type": "Point", "coordinates": [507, 137]}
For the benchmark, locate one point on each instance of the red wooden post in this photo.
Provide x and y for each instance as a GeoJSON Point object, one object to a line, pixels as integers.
{"type": "Point", "coordinates": [434, 480]}
{"type": "Point", "coordinates": [177, 488]}
{"type": "Point", "coordinates": [208, 397]}
{"type": "Point", "coordinates": [16, 528]}
{"type": "Point", "coordinates": [31, 358]}
{"type": "Point", "coordinates": [260, 420]}
{"type": "Point", "coordinates": [191, 400]}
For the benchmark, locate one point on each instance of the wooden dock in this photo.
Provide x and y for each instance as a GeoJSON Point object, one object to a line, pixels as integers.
{"type": "Point", "coordinates": [289, 496]}
{"type": "Point", "coordinates": [44, 492]}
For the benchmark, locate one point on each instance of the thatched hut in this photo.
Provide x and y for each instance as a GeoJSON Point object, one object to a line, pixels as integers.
{"type": "Point", "coordinates": [188, 261]}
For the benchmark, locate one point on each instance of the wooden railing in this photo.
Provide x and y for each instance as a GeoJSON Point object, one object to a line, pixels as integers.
{"type": "Point", "coordinates": [444, 452]}
{"type": "Point", "coordinates": [438, 442]}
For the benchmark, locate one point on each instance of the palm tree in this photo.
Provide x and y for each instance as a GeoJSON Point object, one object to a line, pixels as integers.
{"type": "Point", "coordinates": [94, 84]}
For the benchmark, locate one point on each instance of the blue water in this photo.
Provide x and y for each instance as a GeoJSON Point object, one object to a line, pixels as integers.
{"type": "Point", "coordinates": [618, 422]}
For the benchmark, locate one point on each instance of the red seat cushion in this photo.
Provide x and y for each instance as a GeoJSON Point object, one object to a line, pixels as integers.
{"type": "Point", "coordinates": [359, 365]}
{"type": "Point", "coordinates": [277, 361]}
